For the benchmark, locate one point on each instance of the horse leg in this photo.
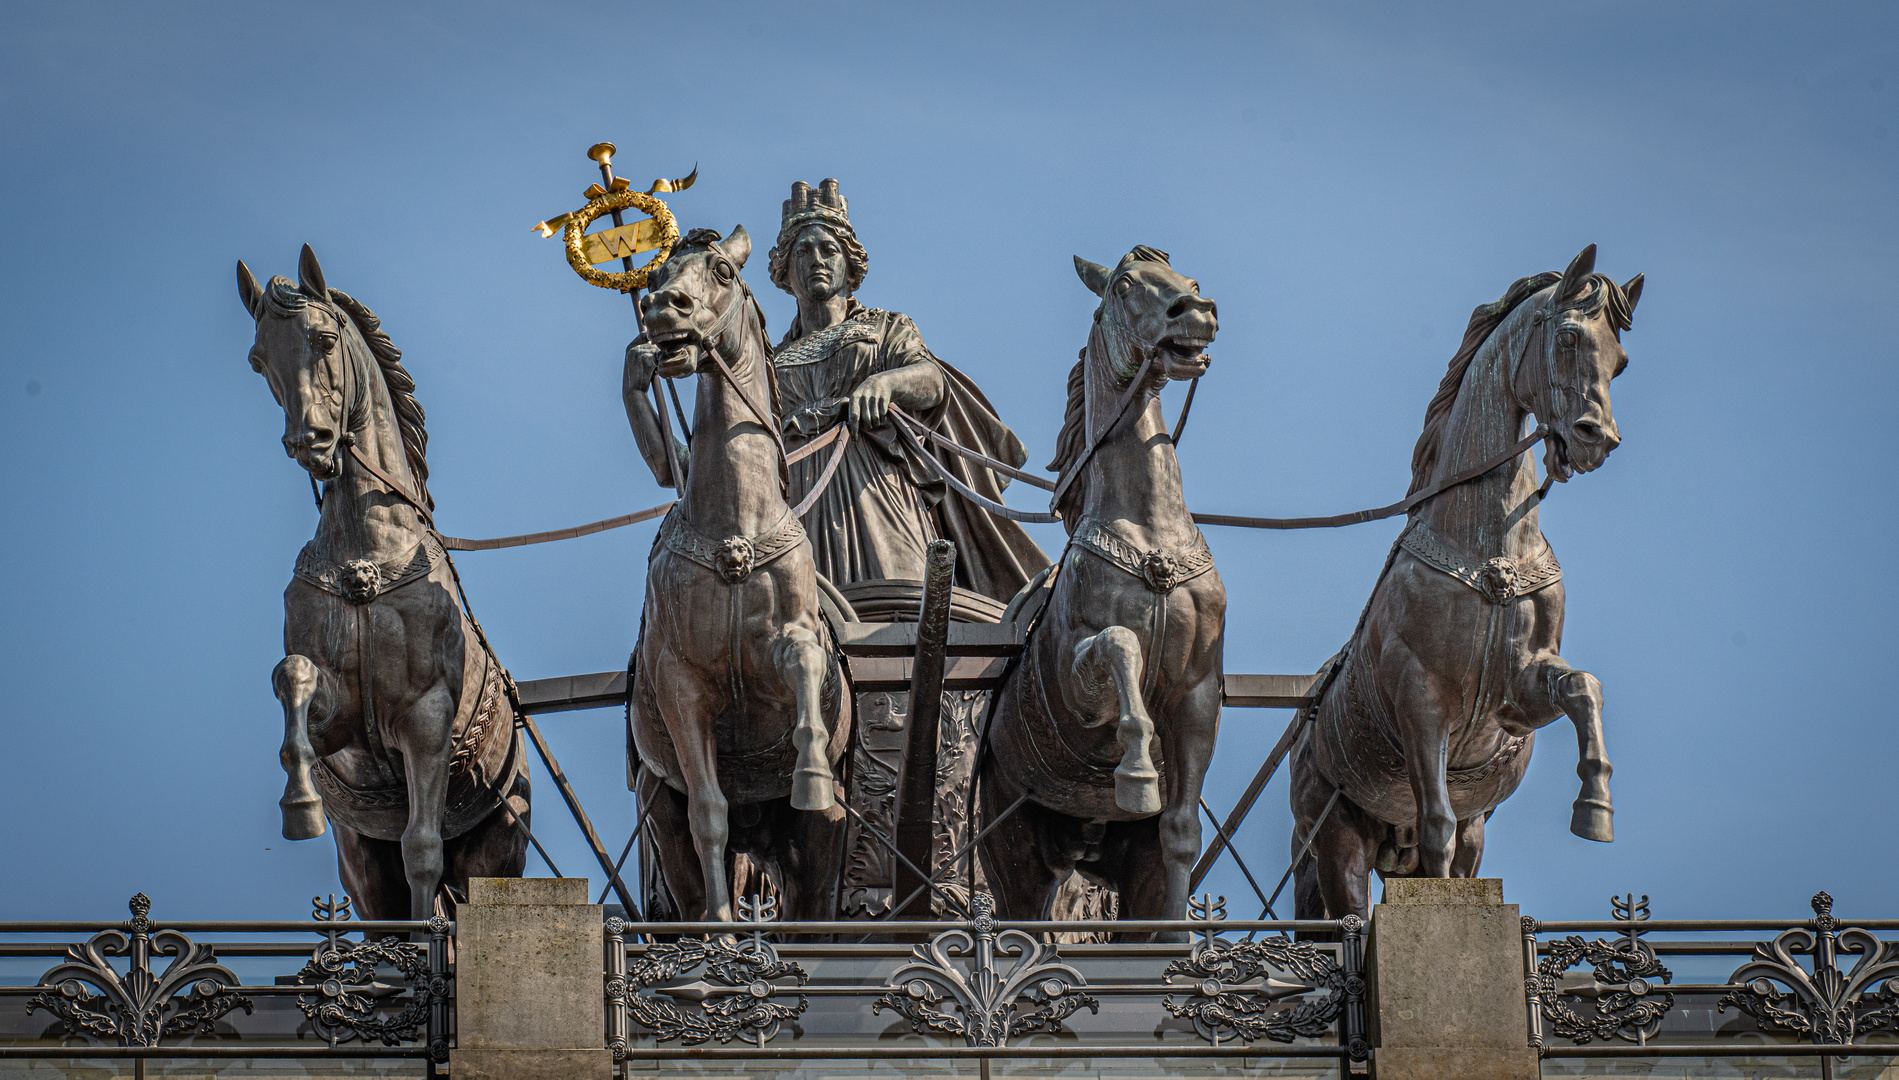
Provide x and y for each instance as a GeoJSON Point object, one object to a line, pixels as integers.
{"type": "Point", "coordinates": [1550, 688]}
{"type": "Point", "coordinates": [1195, 725]}
{"type": "Point", "coordinates": [1340, 866]}
{"type": "Point", "coordinates": [692, 717]}
{"type": "Point", "coordinates": [1018, 856]}
{"type": "Point", "coordinates": [371, 872]}
{"type": "Point", "coordinates": [1115, 653]}
{"type": "Point", "coordinates": [494, 847]}
{"type": "Point", "coordinates": [668, 823]}
{"type": "Point", "coordinates": [424, 736]}
{"type": "Point", "coordinates": [802, 663]}
{"type": "Point", "coordinates": [1470, 846]}
{"type": "Point", "coordinates": [1424, 731]}
{"type": "Point", "coordinates": [810, 854]}
{"type": "Point", "coordinates": [299, 683]}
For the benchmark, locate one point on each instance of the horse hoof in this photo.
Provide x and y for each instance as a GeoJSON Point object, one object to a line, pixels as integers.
{"type": "Point", "coordinates": [1137, 794]}
{"type": "Point", "coordinates": [303, 818]}
{"type": "Point", "coordinates": [812, 791]}
{"type": "Point", "coordinates": [1593, 821]}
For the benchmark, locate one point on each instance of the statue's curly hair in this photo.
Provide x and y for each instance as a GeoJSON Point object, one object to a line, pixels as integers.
{"type": "Point", "coordinates": [856, 259]}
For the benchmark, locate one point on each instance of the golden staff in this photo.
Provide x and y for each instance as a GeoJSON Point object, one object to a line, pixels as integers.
{"type": "Point", "coordinates": [656, 232]}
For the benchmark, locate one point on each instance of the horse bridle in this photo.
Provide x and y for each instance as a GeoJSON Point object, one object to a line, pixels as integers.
{"type": "Point", "coordinates": [712, 337]}
{"type": "Point", "coordinates": [1112, 327]}
{"type": "Point", "coordinates": [1545, 321]}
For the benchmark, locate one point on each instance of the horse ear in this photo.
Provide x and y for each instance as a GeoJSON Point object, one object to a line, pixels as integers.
{"type": "Point", "coordinates": [248, 290]}
{"type": "Point", "coordinates": [1579, 270]}
{"type": "Point", "coordinates": [1633, 290]}
{"type": "Point", "coordinates": [738, 246]}
{"type": "Point", "coordinates": [1093, 275]}
{"type": "Point", "coordinates": [310, 275]}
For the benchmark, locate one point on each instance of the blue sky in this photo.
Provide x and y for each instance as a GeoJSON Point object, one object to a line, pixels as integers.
{"type": "Point", "coordinates": [1347, 181]}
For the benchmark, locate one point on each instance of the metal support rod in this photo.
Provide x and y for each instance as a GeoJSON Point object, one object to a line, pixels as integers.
{"type": "Point", "coordinates": [580, 816]}
{"type": "Point", "coordinates": [1228, 841]}
{"type": "Point", "coordinates": [949, 898]}
{"type": "Point", "coordinates": [1304, 850]}
{"type": "Point", "coordinates": [1245, 805]}
{"type": "Point", "coordinates": [951, 861]}
{"type": "Point", "coordinates": [916, 776]}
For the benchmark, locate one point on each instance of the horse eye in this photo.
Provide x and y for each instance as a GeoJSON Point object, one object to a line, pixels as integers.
{"type": "Point", "coordinates": [1567, 338]}
{"type": "Point", "coordinates": [257, 361]}
{"type": "Point", "coordinates": [1122, 285]}
{"type": "Point", "coordinates": [723, 270]}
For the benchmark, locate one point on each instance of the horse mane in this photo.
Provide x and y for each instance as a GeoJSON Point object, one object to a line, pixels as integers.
{"type": "Point", "coordinates": [1483, 322]}
{"type": "Point", "coordinates": [410, 419]}
{"type": "Point", "coordinates": [1074, 434]}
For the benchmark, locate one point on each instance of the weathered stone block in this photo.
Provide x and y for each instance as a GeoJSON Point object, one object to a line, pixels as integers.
{"type": "Point", "coordinates": [528, 987]}
{"type": "Point", "coordinates": [1444, 962]}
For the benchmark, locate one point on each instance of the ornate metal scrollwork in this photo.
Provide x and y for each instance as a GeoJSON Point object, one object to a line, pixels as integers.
{"type": "Point", "coordinates": [131, 1007]}
{"type": "Point", "coordinates": [734, 998]}
{"type": "Point", "coordinates": [1824, 1004]}
{"type": "Point", "coordinates": [349, 992]}
{"type": "Point", "coordinates": [1235, 993]}
{"type": "Point", "coordinates": [1628, 1003]}
{"type": "Point", "coordinates": [1036, 994]}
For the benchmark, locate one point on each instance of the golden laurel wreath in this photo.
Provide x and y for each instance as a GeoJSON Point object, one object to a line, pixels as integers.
{"type": "Point", "coordinates": [625, 280]}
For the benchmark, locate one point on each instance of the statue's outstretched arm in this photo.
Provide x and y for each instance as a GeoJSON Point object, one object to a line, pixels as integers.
{"type": "Point", "coordinates": [642, 360]}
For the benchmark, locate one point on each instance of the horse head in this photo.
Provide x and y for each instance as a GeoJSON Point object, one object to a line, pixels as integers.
{"type": "Point", "coordinates": [305, 351]}
{"type": "Point", "coordinates": [1155, 309]}
{"type": "Point", "coordinates": [1582, 323]}
{"type": "Point", "coordinates": [696, 298]}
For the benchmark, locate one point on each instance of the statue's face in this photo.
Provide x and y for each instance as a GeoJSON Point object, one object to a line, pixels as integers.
{"type": "Point", "coordinates": [818, 268]}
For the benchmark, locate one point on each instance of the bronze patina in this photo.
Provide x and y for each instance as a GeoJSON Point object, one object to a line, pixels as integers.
{"type": "Point", "coordinates": [397, 723]}
{"type": "Point", "coordinates": [738, 701]}
{"type": "Point", "coordinates": [1428, 716]}
{"type": "Point", "coordinates": [1107, 725]}
{"type": "Point", "coordinates": [843, 363]}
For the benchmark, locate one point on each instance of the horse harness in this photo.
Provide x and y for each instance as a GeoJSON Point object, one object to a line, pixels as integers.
{"type": "Point", "coordinates": [476, 780]}
{"type": "Point", "coordinates": [735, 559]}
{"type": "Point", "coordinates": [1161, 571]}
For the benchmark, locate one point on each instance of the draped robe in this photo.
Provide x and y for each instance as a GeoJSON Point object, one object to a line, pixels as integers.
{"type": "Point", "coordinates": [882, 509]}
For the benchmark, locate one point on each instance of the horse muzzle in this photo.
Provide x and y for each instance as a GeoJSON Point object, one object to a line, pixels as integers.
{"type": "Point", "coordinates": [680, 350]}
{"type": "Point", "coordinates": [316, 452]}
{"type": "Point", "coordinates": [1184, 356]}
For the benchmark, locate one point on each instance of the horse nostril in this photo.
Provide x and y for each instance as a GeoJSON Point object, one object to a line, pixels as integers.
{"type": "Point", "coordinates": [1177, 309]}
{"type": "Point", "coordinates": [1587, 430]}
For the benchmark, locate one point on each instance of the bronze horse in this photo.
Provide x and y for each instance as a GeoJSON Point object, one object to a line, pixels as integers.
{"type": "Point", "coordinates": [1108, 722]}
{"type": "Point", "coordinates": [397, 725]}
{"type": "Point", "coordinates": [1428, 717]}
{"type": "Point", "coordinates": [739, 706]}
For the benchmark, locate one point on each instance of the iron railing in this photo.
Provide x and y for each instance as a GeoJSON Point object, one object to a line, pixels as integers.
{"type": "Point", "coordinates": [1617, 997]}
{"type": "Point", "coordinates": [145, 988]}
{"type": "Point", "coordinates": [985, 988]}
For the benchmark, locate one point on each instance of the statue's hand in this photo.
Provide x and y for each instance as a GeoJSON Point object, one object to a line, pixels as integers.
{"type": "Point", "coordinates": [642, 360]}
{"type": "Point", "coordinates": [869, 405]}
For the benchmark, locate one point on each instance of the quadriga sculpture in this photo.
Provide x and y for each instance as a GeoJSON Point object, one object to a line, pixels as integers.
{"type": "Point", "coordinates": [739, 702]}
{"type": "Point", "coordinates": [1429, 714]}
{"type": "Point", "coordinates": [397, 726]}
{"type": "Point", "coordinates": [1107, 724]}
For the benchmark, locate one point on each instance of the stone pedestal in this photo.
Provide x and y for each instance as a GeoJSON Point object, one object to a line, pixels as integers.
{"type": "Point", "coordinates": [1445, 965]}
{"type": "Point", "coordinates": [529, 996]}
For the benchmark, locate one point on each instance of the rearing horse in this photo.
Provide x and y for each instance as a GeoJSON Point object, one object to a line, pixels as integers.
{"type": "Point", "coordinates": [397, 726]}
{"type": "Point", "coordinates": [1108, 722]}
{"type": "Point", "coordinates": [738, 702]}
{"type": "Point", "coordinates": [1428, 717]}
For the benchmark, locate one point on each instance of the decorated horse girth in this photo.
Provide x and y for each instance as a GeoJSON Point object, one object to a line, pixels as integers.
{"type": "Point", "coordinates": [359, 581]}
{"type": "Point", "coordinates": [733, 558]}
{"type": "Point", "coordinates": [1161, 571]}
{"type": "Point", "coordinates": [1497, 580]}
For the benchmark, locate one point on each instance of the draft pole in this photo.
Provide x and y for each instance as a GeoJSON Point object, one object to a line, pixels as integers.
{"type": "Point", "coordinates": [916, 776]}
